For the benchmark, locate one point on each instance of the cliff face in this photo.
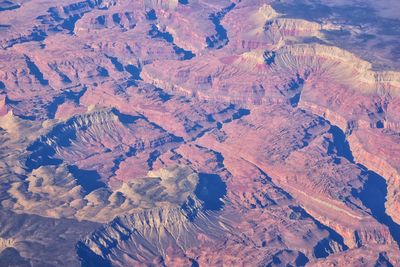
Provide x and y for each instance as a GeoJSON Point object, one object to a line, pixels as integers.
{"type": "Point", "coordinates": [199, 133]}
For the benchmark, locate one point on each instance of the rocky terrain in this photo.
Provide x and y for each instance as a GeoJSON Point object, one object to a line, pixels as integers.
{"type": "Point", "coordinates": [199, 133]}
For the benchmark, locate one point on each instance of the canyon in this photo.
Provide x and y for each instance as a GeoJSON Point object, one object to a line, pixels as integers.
{"type": "Point", "coordinates": [199, 133]}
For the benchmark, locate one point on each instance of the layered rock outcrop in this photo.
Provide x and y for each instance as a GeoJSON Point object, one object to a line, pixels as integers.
{"type": "Point", "coordinates": [199, 133]}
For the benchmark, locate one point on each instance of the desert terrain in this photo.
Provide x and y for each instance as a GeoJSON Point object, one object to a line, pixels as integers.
{"type": "Point", "coordinates": [199, 133]}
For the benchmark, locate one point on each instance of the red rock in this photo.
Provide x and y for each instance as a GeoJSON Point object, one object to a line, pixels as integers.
{"type": "Point", "coordinates": [199, 133]}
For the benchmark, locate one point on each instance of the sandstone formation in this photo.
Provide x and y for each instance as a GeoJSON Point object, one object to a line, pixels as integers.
{"type": "Point", "coordinates": [199, 133]}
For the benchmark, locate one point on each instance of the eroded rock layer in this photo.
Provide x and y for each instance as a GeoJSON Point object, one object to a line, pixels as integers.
{"type": "Point", "coordinates": [199, 133]}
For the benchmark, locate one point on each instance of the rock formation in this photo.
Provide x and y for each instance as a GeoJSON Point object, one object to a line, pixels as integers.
{"type": "Point", "coordinates": [199, 133]}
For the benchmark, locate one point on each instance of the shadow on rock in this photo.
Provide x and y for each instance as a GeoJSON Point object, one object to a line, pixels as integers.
{"type": "Point", "coordinates": [211, 189]}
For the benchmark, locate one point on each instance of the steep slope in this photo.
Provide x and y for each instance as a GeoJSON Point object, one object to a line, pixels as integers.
{"type": "Point", "coordinates": [199, 133]}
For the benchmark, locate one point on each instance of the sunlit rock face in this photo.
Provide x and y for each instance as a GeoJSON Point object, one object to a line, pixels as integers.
{"type": "Point", "coordinates": [199, 133]}
{"type": "Point", "coordinates": [55, 192]}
